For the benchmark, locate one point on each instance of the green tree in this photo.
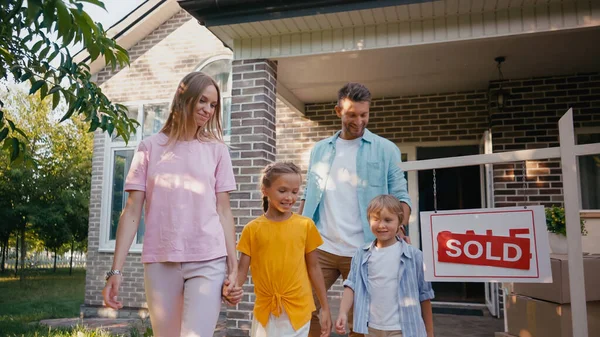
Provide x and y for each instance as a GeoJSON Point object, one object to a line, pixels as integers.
{"type": "Point", "coordinates": [49, 190]}
{"type": "Point", "coordinates": [35, 37]}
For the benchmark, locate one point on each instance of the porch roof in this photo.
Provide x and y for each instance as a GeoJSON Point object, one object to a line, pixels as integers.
{"type": "Point", "coordinates": [217, 13]}
{"type": "Point", "coordinates": [402, 48]}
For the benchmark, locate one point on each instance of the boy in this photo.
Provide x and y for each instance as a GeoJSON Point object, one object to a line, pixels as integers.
{"type": "Point", "coordinates": [398, 300]}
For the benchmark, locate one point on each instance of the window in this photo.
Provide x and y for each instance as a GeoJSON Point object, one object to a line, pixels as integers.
{"type": "Point", "coordinates": [219, 68]}
{"type": "Point", "coordinates": [589, 171]}
{"type": "Point", "coordinates": [152, 115]}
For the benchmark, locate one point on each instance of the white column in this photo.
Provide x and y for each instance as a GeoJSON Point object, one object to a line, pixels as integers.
{"type": "Point", "coordinates": [568, 160]}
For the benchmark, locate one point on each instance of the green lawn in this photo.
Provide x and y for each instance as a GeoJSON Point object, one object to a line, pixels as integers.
{"type": "Point", "coordinates": [43, 295]}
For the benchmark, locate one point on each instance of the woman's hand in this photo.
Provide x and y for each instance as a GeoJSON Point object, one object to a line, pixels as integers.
{"type": "Point", "coordinates": [111, 291]}
{"type": "Point", "coordinates": [231, 295]}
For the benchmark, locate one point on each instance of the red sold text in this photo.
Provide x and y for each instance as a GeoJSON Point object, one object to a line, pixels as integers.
{"type": "Point", "coordinates": [486, 250]}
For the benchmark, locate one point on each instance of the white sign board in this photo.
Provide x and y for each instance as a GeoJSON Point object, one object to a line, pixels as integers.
{"type": "Point", "coordinates": [486, 245]}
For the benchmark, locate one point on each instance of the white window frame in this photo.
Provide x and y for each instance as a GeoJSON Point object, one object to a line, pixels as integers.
{"type": "Point", "coordinates": [585, 131]}
{"type": "Point", "coordinates": [224, 94]}
{"type": "Point", "coordinates": [110, 147]}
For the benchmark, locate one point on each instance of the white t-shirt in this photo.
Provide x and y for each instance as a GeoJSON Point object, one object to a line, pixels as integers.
{"type": "Point", "coordinates": [384, 266]}
{"type": "Point", "coordinates": [339, 216]}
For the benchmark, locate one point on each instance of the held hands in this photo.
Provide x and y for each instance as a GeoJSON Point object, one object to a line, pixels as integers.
{"type": "Point", "coordinates": [231, 293]}
{"type": "Point", "coordinates": [111, 291]}
{"type": "Point", "coordinates": [340, 324]}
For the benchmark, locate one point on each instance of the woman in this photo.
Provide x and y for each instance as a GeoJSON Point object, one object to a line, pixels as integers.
{"type": "Point", "coordinates": [184, 174]}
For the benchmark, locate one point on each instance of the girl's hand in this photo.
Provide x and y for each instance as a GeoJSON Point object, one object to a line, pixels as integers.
{"type": "Point", "coordinates": [325, 323]}
{"type": "Point", "coordinates": [233, 296]}
{"type": "Point", "coordinates": [340, 324]}
{"type": "Point", "coordinates": [111, 291]}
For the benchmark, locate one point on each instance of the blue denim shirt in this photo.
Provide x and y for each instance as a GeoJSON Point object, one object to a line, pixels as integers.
{"type": "Point", "coordinates": [377, 169]}
{"type": "Point", "coordinates": [412, 290]}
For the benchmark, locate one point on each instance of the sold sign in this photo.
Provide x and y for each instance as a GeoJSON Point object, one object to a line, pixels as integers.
{"type": "Point", "coordinates": [484, 245]}
{"type": "Point", "coordinates": [485, 250]}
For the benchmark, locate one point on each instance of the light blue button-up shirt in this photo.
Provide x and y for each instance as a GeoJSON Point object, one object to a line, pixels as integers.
{"type": "Point", "coordinates": [412, 290]}
{"type": "Point", "coordinates": [376, 167]}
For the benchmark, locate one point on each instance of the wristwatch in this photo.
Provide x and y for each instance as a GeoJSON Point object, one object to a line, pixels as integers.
{"type": "Point", "coordinates": [113, 272]}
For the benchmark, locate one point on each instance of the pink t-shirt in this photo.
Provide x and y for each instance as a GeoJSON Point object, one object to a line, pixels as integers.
{"type": "Point", "coordinates": [181, 182]}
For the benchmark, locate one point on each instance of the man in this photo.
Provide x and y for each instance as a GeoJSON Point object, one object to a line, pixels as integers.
{"type": "Point", "coordinates": [345, 172]}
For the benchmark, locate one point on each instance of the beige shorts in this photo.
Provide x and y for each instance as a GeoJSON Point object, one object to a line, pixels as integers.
{"type": "Point", "coordinates": [384, 333]}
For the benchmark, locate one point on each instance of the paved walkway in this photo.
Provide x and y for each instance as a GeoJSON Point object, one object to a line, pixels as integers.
{"type": "Point", "coordinates": [444, 325]}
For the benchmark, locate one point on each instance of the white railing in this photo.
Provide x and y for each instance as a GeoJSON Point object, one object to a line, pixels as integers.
{"type": "Point", "coordinates": [46, 260]}
{"type": "Point", "coordinates": [568, 153]}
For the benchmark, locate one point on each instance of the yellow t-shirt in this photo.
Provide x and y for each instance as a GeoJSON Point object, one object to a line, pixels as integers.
{"type": "Point", "coordinates": [278, 266]}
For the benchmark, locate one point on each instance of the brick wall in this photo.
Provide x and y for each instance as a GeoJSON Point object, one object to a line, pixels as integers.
{"type": "Point", "coordinates": [161, 60]}
{"type": "Point", "coordinates": [529, 121]}
{"type": "Point", "coordinates": [253, 141]}
{"type": "Point", "coordinates": [412, 119]}
{"type": "Point", "coordinates": [158, 62]}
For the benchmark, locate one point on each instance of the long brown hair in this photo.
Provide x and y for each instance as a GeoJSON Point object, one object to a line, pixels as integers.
{"type": "Point", "coordinates": [184, 102]}
{"type": "Point", "coordinates": [272, 172]}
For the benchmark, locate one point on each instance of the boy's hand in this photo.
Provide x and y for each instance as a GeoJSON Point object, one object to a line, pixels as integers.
{"type": "Point", "coordinates": [340, 324]}
{"type": "Point", "coordinates": [325, 323]}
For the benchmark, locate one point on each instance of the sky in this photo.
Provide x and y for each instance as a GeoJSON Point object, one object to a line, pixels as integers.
{"type": "Point", "coordinates": [115, 10]}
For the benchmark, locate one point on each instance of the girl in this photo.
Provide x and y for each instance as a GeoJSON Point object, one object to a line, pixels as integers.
{"type": "Point", "coordinates": [184, 174]}
{"type": "Point", "coordinates": [280, 247]}
{"type": "Point", "coordinates": [398, 300]}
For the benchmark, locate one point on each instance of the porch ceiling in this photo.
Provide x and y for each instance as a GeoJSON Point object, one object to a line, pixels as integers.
{"type": "Point", "coordinates": [442, 67]}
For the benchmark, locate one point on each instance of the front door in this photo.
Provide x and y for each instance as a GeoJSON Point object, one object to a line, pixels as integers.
{"type": "Point", "coordinates": [456, 188]}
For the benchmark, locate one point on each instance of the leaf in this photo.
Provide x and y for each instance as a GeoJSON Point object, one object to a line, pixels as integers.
{"type": "Point", "coordinates": [67, 115]}
{"type": "Point", "coordinates": [25, 76]}
{"type": "Point", "coordinates": [110, 128]}
{"type": "Point", "coordinates": [6, 55]}
{"type": "Point", "coordinates": [32, 11]}
{"type": "Point", "coordinates": [48, 14]}
{"type": "Point", "coordinates": [37, 46]}
{"type": "Point", "coordinates": [64, 19]}
{"type": "Point", "coordinates": [12, 125]}
{"type": "Point", "coordinates": [95, 2]}
{"type": "Point", "coordinates": [94, 51]}
{"type": "Point", "coordinates": [44, 53]}
{"type": "Point", "coordinates": [44, 90]}
{"type": "Point", "coordinates": [3, 134]}
{"type": "Point", "coordinates": [36, 86]}
{"type": "Point", "coordinates": [19, 131]}
{"type": "Point", "coordinates": [14, 153]}
{"type": "Point", "coordinates": [54, 89]}
{"type": "Point", "coordinates": [55, 99]}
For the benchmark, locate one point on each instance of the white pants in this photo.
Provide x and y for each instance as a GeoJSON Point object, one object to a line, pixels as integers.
{"type": "Point", "coordinates": [278, 327]}
{"type": "Point", "coordinates": [184, 299]}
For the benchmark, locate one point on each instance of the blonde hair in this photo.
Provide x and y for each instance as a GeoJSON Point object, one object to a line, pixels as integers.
{"type": "Point", "coordinates": [272, 172]}
{"type": "Point", "coordinates": [186, 97]}
{"type": "Point", "coordinates": [388, 202]}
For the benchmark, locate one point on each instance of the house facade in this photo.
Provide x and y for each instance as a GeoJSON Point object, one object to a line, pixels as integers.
{"type": "Point", "coordinates": [431, 67]}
